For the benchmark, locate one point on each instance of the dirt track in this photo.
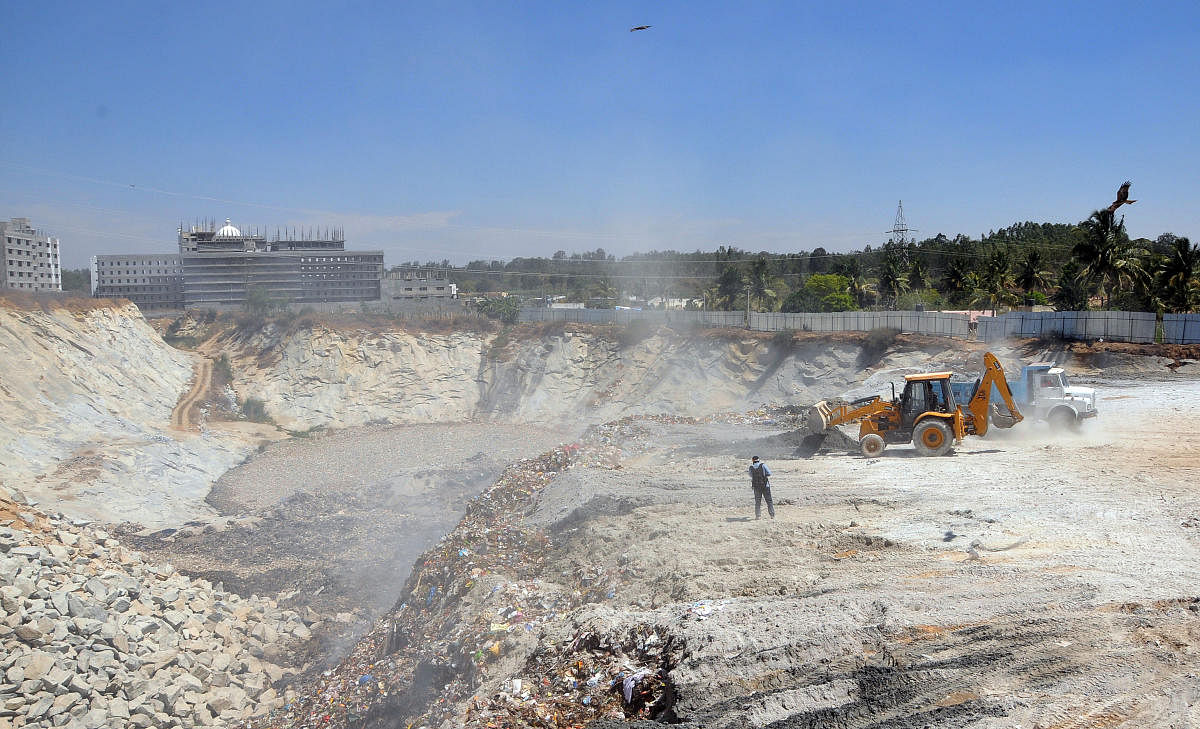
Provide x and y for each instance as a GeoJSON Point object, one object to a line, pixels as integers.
{"type": "Point", "coordinates": [181, 416]}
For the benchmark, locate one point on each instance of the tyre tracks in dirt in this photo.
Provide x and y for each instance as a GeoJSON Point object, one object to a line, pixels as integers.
{"type": "Point", "coordinates": [182, 417]}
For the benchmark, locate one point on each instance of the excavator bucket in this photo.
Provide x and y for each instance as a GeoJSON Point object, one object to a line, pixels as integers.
{"type": "Point", "coordinates": [1001, 417]}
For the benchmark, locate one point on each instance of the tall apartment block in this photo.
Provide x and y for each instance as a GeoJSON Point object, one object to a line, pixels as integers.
{"type": "Point", "coordinates": [221, 266]}
{"type": "Point", "coordinates": [29, 259]}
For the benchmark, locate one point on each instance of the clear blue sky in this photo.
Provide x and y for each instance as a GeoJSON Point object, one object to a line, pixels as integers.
{"type": "Point", "coordinates": [473, 130]}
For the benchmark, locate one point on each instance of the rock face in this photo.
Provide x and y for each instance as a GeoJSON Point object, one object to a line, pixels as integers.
{"type": "Point", "coordinates": [85, 409]}
{"type": "Point", "coordinates": [336, 379]}
{"type": "Point", "coordinates": [93, 636]}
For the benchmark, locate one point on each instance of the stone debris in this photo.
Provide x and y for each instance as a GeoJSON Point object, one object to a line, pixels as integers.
{"type": "Point", "coordinates": [488, 631]}
{"type": "Point", "coordinates": [94, 636]}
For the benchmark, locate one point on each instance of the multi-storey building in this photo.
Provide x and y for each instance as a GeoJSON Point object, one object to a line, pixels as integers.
{"type": "Point", "coordinates": [417, 283]}
{"type": "Point", "coordinates": [29, 259]}
{"type": "Point", "coordinates": [223, 266]}
{"type": "Point", "coordinates": [150, 280]}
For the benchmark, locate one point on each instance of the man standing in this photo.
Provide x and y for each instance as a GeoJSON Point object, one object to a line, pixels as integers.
{"type": "Point", "coordinates": [760, 481]}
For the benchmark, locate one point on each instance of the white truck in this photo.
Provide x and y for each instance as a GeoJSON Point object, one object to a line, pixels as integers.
{"type": "Point", "coordinates": [1043, 393]}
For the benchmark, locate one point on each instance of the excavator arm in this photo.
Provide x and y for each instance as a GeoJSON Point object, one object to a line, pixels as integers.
{"type": "Point", "coordinates": [977, 406]}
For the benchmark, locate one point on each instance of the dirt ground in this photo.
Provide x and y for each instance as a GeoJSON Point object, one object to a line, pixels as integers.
{"type": "Point", "coordinates": [1026, 580]}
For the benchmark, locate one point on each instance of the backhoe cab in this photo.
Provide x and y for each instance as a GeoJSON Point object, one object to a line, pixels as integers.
{"type": "Point", "coordinates": [925, 413]}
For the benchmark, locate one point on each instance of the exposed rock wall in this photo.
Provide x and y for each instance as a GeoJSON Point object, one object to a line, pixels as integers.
{"type": "Point", "coordinates": [337, 379]}
{"type": "Point", "coordinates": [85, 409]}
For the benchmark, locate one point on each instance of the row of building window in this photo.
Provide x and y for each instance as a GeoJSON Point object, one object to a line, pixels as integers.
{"type": "Point", "coordinates": [18, 263]}
{"type": "Point", "coordinates": [31, 274]}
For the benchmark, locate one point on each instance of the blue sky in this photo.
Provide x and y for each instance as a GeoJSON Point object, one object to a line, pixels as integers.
{"type": "Point", "coordinates": [477, 130]}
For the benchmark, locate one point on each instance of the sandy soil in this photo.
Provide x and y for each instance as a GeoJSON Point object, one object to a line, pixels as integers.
{"type": "Point", "coordinates": [1026, 580]}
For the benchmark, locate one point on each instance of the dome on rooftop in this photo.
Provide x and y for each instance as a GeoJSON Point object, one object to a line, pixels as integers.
{"type": "Point", "coordinates": [228, 231]}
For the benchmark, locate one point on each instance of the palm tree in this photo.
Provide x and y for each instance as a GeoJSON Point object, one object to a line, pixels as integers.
{"type": "Point", "coordinates": [1072, 293]}
{"type": "Point", "coordinates": [1179, 276]}
{"type": "Point", "coordinates": [858, 288]}
{"type": "Point", "coordinates": [918, 277]}
{"type": "Point", "coordinates": [1030, 275]}
{"type": "Point", "coordinates": [729, 286]}
{"type": "Point", "coordinates": [892, 281]}
{"type": "Point", "coordinates": [954, 278]}
{"type": "Point", "coordinates": [1107, 255]}
{"type": "Point", "coordinates": [761, 285]}
{"type": "Point", "coordinates": [994, 281]}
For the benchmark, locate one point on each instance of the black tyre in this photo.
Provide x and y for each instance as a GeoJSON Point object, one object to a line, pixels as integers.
{"type": "Point", "coordinates": [933, 438]}
{"type": "Point", "coordinates": [872, 445]}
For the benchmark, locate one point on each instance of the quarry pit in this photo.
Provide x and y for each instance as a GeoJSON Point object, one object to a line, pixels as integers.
{"type": "Point", "coordinates": [481, 533]}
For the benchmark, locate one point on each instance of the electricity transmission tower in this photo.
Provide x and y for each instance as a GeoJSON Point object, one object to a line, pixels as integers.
{"type": "Point", "coordinates": [900, 229]}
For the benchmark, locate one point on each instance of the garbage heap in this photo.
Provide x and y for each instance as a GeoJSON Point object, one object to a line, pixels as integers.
{"type": "Point", "coordinates": [478, 636]}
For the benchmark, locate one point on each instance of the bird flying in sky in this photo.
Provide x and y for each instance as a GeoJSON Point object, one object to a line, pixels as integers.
{"type": "Point", "coordinates": [1122, 197]}
{"type": "Point", "coordinates": [639, 27]}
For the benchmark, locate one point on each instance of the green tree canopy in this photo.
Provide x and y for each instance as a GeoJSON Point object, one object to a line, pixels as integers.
{"type": "Point", "coordinates": [821, 292]}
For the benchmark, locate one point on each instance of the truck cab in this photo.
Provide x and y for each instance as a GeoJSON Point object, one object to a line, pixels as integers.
{"type": "Point", "coordinates": [1049, 396]}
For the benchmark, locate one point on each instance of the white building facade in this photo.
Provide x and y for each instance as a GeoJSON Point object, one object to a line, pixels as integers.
{"type": "Point", "coordinates": [29, 259]}
{"type": "Point", "coordinates": [416, 283]}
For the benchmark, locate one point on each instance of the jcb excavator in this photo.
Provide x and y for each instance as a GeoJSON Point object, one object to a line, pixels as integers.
{"type": "Point", "coordinates": [925, 413]}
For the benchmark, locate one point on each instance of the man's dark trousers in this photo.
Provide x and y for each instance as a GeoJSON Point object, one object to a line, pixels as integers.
{"type": "Point", "coordinates": [761, 492]}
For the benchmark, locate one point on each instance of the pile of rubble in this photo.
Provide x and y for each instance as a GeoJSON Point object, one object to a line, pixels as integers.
{"type": "Point", "coordinates": [479, 635]}
{"type": "Point", "coordinates": [93, 636]}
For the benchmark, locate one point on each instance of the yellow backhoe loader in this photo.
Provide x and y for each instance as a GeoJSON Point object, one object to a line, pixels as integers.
{"type": "Point", "coordinates": [925, 413]}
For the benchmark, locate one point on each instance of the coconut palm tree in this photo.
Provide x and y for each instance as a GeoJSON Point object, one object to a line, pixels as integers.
{"type": "Point", "coordinates": [729, 286]}
{"type": "Point", "coordinates": [1107, 255]}
{"type": "Point", "coordinates": [1030, 275]}
{"type": "Point", "coordinates": [892, 281]}
{"type": "Point", "coordinates": [1073, 290]}
{"type": "Point", "coordinates": [1179, 276]}
{"type": "Point", "coordinates": [918, 276]}
{"type": "Point", "coordinates": [954, 281]}
{"type": "Point", "coordinates": [762, 285]}
{"type": "Point", "coordinates": [994, 282]}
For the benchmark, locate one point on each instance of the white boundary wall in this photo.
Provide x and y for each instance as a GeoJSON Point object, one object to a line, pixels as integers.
{"type": "Point", "coordinates": [919, 322]}
{"type": "Point", "coordinates": [1117, 326]}
{"type": "Point", "coordinates": [1181, 328]}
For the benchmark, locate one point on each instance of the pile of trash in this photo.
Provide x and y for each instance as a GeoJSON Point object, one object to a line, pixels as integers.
{"type": "Point", "coordinates": [591, 676]}
{"type": "Point", "coordinates": [477, 609]}
{"type": "Point", "coordinates": [424, 656]}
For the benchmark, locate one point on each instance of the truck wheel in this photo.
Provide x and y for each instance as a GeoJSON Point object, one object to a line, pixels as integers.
{"type": "Point", "coordinates": [871, 445]}
{"type": "Point", "coordinates": [1063, 420]}
{"type": "Point", "coordinates": [932, 438]}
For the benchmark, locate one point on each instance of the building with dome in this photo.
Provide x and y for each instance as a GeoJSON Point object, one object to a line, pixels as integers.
{"type": "Point", "coordinates": [220, 266]}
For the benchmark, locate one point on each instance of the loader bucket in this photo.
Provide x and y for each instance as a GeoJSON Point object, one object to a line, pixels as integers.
{"type": "Point", "coordinates": [817, 418]}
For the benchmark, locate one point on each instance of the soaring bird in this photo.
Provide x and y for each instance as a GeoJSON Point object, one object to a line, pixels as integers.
{"type": "Point", "coordinates": [1122, 197]}
{"type": "Point", "coordinates": [639, 27]}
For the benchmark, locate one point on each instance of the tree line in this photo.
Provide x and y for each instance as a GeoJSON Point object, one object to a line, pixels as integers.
{"type": "Point", "coordinates": [1090, 265]}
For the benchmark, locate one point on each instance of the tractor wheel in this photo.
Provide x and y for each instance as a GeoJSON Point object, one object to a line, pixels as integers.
{"type": "Point", "coordinates": [932, 438]}
{"type": "Point", "coordinates": [872, 445]}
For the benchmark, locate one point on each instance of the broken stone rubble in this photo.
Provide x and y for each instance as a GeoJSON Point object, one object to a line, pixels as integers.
{"type": "Point", "coordinates": [93, 636]}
